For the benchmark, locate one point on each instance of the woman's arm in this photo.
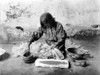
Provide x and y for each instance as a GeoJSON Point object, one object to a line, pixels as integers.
{"type": "Point", "coordinates": [36, 35]}
{"type": "Point", "coordinates": [61, 35]}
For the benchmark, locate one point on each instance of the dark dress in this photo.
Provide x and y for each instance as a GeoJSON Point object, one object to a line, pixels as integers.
{"type": "Point", "coordinates": [55, 35]}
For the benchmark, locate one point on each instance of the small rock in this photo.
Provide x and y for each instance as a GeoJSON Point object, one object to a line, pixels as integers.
{"type": "Point", "coordinates": [94, 26]}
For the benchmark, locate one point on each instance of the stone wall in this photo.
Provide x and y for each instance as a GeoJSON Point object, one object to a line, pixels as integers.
{"type": "Point", "coordinates": [78, 12]}
{"type": "Point", "coordinates": [27, 13]}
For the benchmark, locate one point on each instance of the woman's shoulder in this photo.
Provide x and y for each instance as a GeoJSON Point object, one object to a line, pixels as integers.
{"type": "Point", "coordinates": [59, 24]}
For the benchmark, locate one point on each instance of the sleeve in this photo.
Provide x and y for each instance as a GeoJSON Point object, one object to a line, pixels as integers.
{"type": "Point", "coordinates": [36, 35]}
{"type": "Point", "coordinates": [61, 35]}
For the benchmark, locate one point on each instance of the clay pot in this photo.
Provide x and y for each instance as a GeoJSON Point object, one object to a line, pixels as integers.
{"type": "Point", "coordinates": [72, 50]}
{"type": "Point", "coordinates": [28, 58]}
{"type": "Point", "coordinates": [74, 53]}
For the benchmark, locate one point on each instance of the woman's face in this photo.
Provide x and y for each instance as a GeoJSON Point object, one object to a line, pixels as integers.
{"type": "Point", "coordinates": [47, 20]}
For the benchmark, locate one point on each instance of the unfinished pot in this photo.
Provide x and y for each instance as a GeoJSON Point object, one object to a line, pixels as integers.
{"type": "Point", "coordinates": [72, 50]}
{"type": "Point", "coordinates": [29, 59]}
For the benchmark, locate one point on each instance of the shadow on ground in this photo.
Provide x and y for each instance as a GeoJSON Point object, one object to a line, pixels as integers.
{"type": "Point", "coordinates": [5, 56]}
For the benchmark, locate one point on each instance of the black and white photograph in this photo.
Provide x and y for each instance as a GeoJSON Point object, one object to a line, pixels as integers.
{"type": "Point", "coordinates": [49, 37]}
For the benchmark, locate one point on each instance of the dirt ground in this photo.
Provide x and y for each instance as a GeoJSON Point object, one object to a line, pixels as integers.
{"type": "Point", "coordinates": [15, 66]}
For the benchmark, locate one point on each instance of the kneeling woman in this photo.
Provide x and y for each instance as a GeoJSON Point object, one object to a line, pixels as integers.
{"type": "Point", "coordinates": [54, 33]}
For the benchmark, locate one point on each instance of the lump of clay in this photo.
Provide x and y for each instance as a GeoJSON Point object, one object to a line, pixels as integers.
{"type": "Point", "coordinates": [82, 63]}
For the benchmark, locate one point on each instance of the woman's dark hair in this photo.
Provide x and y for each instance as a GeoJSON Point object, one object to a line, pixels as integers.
{"type": "Point", "coordinates": [47, 20]}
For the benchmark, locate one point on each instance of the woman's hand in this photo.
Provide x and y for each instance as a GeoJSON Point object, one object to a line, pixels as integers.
{"type": "Point", "coordinates": [27, 52]}
{"type": "Point", "coordinates": [52, 46]}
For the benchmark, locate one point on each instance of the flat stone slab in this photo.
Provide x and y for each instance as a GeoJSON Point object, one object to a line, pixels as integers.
{"type": "Point", "coordinates": [52, 63]}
